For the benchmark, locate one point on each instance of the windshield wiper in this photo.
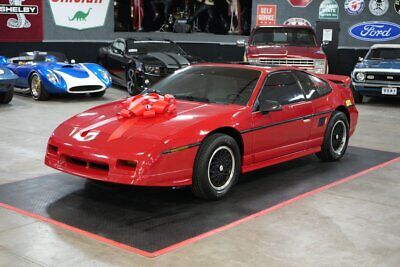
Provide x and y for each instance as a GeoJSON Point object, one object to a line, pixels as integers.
{"type": "Point", "coordinates": [192, 98]}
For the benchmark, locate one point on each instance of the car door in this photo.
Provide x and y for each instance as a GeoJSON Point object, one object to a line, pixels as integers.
{"type": "Point", "coordinates": [316, 91]}
{"type": "Point", "coordinates": [116, 62]}
{"type": "Point", "coordinates": [285, 131]}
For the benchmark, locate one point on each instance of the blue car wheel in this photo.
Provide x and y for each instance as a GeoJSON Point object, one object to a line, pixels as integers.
{"type": "Point", "coordinates": [37, 90]}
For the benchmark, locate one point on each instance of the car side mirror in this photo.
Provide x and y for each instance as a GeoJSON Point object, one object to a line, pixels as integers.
{"type": "Point", "coordinates": [269, 105]}
{"type": "Point", "coordinates": [241, 43]}
{"type": "Point", "coordinates": [360, 59]}
{"type": "Point", "coordinates": [73, 61]}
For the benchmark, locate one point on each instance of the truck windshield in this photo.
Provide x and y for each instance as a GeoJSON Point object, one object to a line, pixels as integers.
{"type": "Point", "coordinates": [384, 53]}
{"type": "Point", "coordinates": [284, 36]}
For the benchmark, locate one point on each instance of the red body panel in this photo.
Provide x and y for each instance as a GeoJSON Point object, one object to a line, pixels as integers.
{"type": "Point", "coordinates": [86, 144]}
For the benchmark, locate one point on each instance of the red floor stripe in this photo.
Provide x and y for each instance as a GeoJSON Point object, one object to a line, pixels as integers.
{"type": "Point", "coordinates": [201, 236]}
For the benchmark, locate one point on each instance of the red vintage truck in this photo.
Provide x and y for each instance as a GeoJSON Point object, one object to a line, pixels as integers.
{"type": "Point", "coordinates": [285, 45]}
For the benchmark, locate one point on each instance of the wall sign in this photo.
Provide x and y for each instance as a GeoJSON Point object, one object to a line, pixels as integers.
{"type": "Point", "coordinates": [300, 3]}
{"type": "Point", "coordinates": [79, 14]}
{"type": "Point", "coordinates": [378, 7]}
{"type": "Point", "coordinates": [397, 6]}
{"type": "Point", "coordinates": [21, 20]}
{"type": "Point", "coordinates": [354, 7]}
{"type": "Point", "coordinates": [375, 31]}
{"type": "Point", "coordinates": [266, 15]}
{"type": "Point", "coordinates": [297, 21]}
{"type": "Point", "coordinates": [329, 9]}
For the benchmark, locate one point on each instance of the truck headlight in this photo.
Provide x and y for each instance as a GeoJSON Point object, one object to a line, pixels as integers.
{"type": "Point", "coordinates": [152, 70]}
{"type": "Point", "coordinates": [53, 78]}
{"type": "Point", "coordinates": [320, 66]}
{"type": "Point", "coordinates": [360, 76]}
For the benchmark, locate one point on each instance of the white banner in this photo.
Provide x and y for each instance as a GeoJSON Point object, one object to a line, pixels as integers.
{"type": "Point", "coordinates": [79, 14]}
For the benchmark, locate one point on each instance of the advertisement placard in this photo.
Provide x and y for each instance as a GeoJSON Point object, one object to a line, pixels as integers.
{"type": "Point", "coordinates": [266, 15]}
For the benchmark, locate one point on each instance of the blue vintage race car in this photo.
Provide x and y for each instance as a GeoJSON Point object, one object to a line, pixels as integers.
{"type": "Point", "coordinates": [7, 81]}
{"type": "Point", "coordinates": [45, 73]}
{"type": "Point", "coordinates": [378, 74]}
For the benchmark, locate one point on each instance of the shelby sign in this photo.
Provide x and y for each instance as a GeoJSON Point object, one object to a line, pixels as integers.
{"type": "Point", "coordinates": [79, 14]}
{"type": "Point", "coordinates": [375, 31]}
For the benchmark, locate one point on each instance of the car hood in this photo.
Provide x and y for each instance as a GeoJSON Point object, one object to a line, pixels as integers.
{"type": "Point", "coordinates": [111, 131]}
{"type": "Point", "coordinates": [7, 75]}
{"type": "Point", "coordinates": [166, 59]}
{"type": "Point", "coordinates": [74, 70]}
{"type": "Point", "coordinates": [285, 51]}
{"type": "Point", "coordinates": [379, 64]}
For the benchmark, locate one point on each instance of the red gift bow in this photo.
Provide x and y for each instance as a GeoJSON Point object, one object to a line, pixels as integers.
{"type": "Point", "coordinates": [147, 106]}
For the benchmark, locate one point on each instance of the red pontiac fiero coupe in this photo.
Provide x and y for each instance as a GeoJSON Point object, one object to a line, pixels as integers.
{"type": "Point", "coordinates": [205, 124]}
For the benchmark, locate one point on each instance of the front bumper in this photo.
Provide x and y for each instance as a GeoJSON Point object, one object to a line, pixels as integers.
{"type": "Point", "coordinates": [155, 170]}
{"type": "Point", "coordinates": [374, 89]}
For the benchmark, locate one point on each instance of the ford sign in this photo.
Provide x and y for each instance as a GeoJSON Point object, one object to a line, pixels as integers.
{"type": "Point", "coordinates": [375, 31]}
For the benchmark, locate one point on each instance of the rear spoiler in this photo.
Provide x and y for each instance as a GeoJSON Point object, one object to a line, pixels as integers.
{"type": "Point", "coordinates": [342, 80]}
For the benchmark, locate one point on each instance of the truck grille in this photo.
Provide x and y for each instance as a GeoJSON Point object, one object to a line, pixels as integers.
{"type": "Point", "coordinates": [295, 62]}
{"type": "Point", "coordinates": [382, 77]}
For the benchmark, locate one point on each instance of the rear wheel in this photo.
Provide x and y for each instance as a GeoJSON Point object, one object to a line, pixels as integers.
{"type": "Point", "coordinates": [217, 167]}
{"type": "Point", "coordinates": [97, 94]}
{"type": "Point", "coordinates": [6, 97]}
{"type": "Point", "coordinates": [131, 82]}
{"type": "Point", "coordinates": [336, 138]}
{"type": "Point", "coordinates": [37, 90]}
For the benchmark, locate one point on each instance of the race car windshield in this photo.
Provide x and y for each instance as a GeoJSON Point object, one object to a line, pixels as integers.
{"type": "Point", "coordinates": [208, 84]}
{"type": "Point", "coordinates": [43, 56]}
{"type": "Point", "coordinates": [144, 47]}
{"type": "Point", "coordinates": [384, 53]}
{"type": "Point", "coordinates": [284, 36]}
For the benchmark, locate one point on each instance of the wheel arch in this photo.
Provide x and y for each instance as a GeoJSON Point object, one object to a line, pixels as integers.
{"type": "Point", "coordinates": [345, 111]}
{"type": "Point", "coordinates": [232, 132]}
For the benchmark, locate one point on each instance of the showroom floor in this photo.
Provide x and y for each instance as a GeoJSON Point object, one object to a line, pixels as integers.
{"type": "Point", "coordinates": [352, 224]}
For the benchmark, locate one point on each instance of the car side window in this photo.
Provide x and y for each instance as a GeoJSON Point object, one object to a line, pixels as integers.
{"type": "Point", "coordinates": [313, 86]}
{"type": "Point", "coordinates": [282, 87]}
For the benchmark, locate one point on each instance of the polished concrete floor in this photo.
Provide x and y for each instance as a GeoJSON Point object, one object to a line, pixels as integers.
{"type": "Point", "coordinates": [352, 224]}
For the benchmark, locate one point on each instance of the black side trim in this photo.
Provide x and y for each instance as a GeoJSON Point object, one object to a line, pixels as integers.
{"type": "Point", "coordinates": [177, 149]}
{"type": "Point", "coordinates": [286, 121]}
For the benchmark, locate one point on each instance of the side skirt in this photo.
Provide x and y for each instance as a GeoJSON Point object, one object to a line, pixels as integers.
{"type": "Point", "coordinates": [263, 164]}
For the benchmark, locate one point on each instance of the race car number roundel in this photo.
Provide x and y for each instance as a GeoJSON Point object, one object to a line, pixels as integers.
{"type": "Point", "coordinates": [378, 7]}
{"type": "Point", "coordinates": [354, 7]}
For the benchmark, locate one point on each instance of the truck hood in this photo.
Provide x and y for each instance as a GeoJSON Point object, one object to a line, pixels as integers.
{"type": "Point", "coordinates": [286, 51]}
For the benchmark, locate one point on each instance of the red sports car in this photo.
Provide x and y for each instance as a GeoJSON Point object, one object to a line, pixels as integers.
{"type": "Point", "coordinates": [205, 125]}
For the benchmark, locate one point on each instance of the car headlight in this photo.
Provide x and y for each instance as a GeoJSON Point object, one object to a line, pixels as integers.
{"type": "Point", "coordinates": [320, 66]}
{"type": "Point", "coordinates": [53, 78]}
{"type": "Point", "coordinates": [104, 74]}
{"type": "Point", "coordinates": [360, 76]}
{"type": "Point", "coordinates": [253, 60]}
{"type": "Point", "coordinates": [1, 72]}
{"type": "Point", "coordinates": [152, 70]}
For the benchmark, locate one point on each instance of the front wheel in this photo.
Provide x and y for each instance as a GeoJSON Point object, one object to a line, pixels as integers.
{"type": "Point", "coordinates": [217, 167]}
{"type": "Point", "coordinates": [131, 82]}
{"type": "Point", "coordinates": [97, 94]}
{"type": "Point", "coordinates": [6, 97]}
{"type": "Point", "coordinates": [336, 138]}
{"type": "Point", "coordinates": [37, 90]}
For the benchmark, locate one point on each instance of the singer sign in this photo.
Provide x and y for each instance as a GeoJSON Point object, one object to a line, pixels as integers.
{"type": "Point", "coordinates": [79, 14]}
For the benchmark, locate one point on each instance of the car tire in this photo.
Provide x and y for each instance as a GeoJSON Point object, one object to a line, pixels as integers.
{"type": "Point", "coordinates": [38, 92]}
{"type": "Point", "coordinates": [98, 94]}
{"type": "Point", "coordinates": [336, 138]}
{"type": "Point", "coordinates": [358, 98]}
{"type": "Point", "coordinates": [131, 82]}
{"type": "Point", "coordinates": [6, 97]}
{"type": "Point", "coordinates": [217, 167]}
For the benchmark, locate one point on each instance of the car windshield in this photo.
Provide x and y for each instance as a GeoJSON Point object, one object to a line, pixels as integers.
{"type": "Point", "coordinates": [225, 85]}
{"type": "Point", "coordinates": [384, 53]}
{"type": "Point", "coordinates": [144, 47]}
{"type": "Point", "coordinates": [43, 56]}
{"type": "Point", "coordinates": [283, 36]}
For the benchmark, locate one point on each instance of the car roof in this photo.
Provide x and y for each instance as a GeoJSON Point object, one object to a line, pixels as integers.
{"type": "Point", "coordinates": [148, 39]}
{"type": "Point", "coordinates": [247, 66]}
{"type": "Point", "coordinates": [396, 46]}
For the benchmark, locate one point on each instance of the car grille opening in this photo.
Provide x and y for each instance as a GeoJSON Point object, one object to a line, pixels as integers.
{"type": "Point", "coordinates": [383, 77]}
{"type": "Point", "coordinates": [103, 167]}
{"type": "Point", "coordinates": [53, 150]}
{"type": "Point", "coordinates": [128, 165]}
{"type": "Point", "coordinates": [86, 88]}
